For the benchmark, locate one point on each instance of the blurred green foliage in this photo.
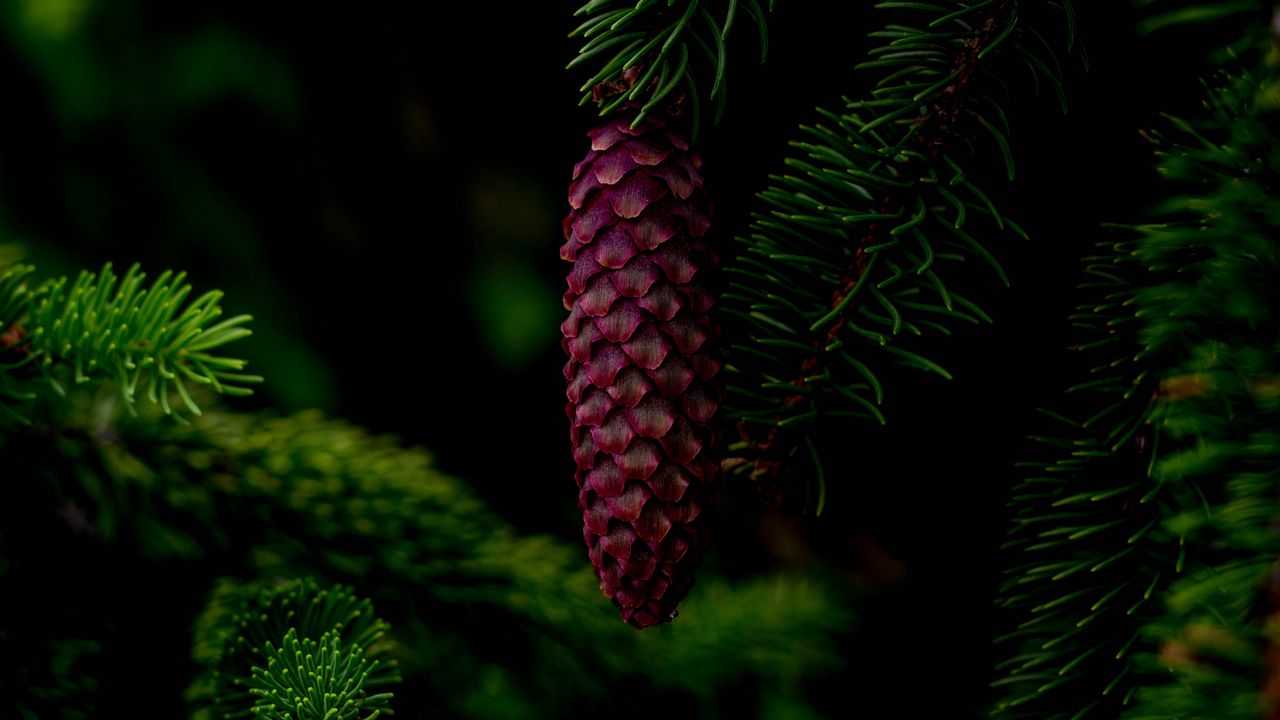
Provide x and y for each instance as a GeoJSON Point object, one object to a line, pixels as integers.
{"type": "Point", "coordinates": [487, 622]}
{"type": "Point", "coordinates": [123, 98]}
{"type": "Point", "coordinates": [1143, 563]}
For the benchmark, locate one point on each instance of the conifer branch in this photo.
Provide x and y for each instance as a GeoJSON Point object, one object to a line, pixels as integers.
{"type": "Point", "coordinates": [1088, 557]}
{"type": "Point", "coordinates": [847, 257]}
{"type": "Point", "coordinates": [148, 339]}
{"type": "Point", "coordinates": [315, 680]}
{"type": "Point", "coordinates": [310, 495]}
{"type": "Point", "coordinates": [293, 651]}
{"type": "Point", "coordinates": [1216, 316]}
{"type": "Point", "coordinates": [1196, 288]}
{"type": "Point", "coordinates": [646, 51]}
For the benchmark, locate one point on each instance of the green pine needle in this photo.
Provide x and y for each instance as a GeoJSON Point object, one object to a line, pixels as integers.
{"type": "Point", "coordinates": [294, 651]}
{"type": "Point", "coordinates": [151, 340]}
{"type": "Point", "coordinates": [645, 50]}
{"type": "Point", "coordinates": [873, 216]}
{"type": "Point", "coordinates": [1143, 560]}
{"type": "Point", "coordinates": [315, 680]}
{"type": "Point", "coordinates": [282, 496]}
{"type": "Point", "coordinates": [1213, 315]}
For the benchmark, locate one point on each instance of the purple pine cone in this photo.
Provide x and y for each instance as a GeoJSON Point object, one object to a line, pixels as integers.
{"type": "Point", "coordinates": [642, 363]}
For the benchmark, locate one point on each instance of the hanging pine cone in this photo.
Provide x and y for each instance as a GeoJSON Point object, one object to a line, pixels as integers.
{"type": "Point", "coordinates": [641, 363]}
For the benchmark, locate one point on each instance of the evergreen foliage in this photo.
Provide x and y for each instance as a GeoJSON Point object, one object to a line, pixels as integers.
{"type": "Point", "coordinates": [1144, 579]}
{"type": "Point", "coordinates": [318, 497]}
{"type": "Point", "coordinates": [1215, 318]}
{"type": "Point", "coordinates": [314, 680]}
{"type": "Point", "coordinates": [647, 51]}
{"type": "Point", "coordinates": [145, 338]}
{"type": "Point", "coordinates": [300, 633]}
{"type": "Point", "coordinates": [845, 261]}
{"type": "Point", "coordinates": [1088, 556]}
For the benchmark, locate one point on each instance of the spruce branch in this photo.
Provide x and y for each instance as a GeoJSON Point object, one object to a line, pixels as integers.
{"type": "Point", "coordinates": [847, 256]}
{"type": "Point", "coordinates": [648, 51]}
{"type": "Point", "coordinates": [292, 651]}
{"type": "Point", "coordinates": [1215, 314]}
{"type": "Point", "coordinates": [316, 680]}
{"type": "Point", "coordinates": [311, 495]}
{"type": "Point", "coordinates": [1088, 557]}
{"type": "Point", "coordinates": [1187, 311]}
{"type": "Point", "coordinates": [149, 339]}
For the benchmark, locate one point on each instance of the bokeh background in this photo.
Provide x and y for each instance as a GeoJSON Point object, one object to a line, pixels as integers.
{"type": "Point", "coordinates": [381, 187]}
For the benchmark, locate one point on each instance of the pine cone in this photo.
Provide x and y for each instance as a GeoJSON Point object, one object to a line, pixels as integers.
{"type": "Point", "coordinates": [641, 363]}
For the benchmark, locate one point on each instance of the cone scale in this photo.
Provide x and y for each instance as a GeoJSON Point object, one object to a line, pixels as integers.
{"type": "Point", "coordinates": [642, 365]}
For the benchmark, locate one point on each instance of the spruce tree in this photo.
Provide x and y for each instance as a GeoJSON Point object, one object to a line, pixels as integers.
{"type": "Point", "coordinates": [167, 527]}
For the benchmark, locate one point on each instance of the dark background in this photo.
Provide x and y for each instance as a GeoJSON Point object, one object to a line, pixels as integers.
{"type": "Point", "coordinates": [382, 189]}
